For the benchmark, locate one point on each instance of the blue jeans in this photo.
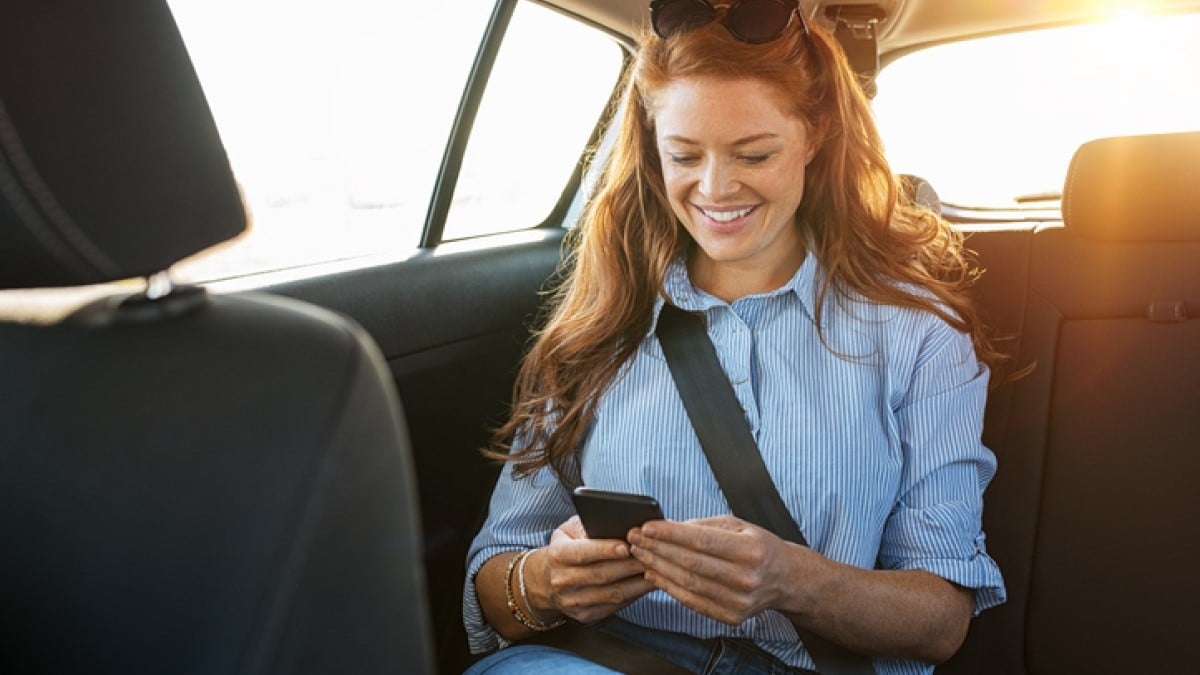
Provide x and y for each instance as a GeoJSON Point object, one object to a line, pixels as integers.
{"type": "Point", "coordinates": [714, 656]}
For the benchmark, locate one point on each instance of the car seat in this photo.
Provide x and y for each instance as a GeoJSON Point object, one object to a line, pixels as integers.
{"type": "Point", "coordinates": [189, 482]}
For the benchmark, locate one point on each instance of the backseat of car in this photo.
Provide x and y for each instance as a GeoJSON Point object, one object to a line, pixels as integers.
{"type": "Point", "coordinates": [1091, 510]}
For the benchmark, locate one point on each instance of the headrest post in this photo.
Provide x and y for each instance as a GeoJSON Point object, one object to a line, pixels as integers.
{"type": "Point", "coordinates": [159, 286]}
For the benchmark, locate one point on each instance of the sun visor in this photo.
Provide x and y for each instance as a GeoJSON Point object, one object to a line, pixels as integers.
{"type": "Point", "coordinates": [110, 163]}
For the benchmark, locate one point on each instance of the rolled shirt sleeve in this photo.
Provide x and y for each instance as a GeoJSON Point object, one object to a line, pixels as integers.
{"type": "Point", "coordinates": [522, 515]}
{"type": "Point", "coordinates": [936, 524]}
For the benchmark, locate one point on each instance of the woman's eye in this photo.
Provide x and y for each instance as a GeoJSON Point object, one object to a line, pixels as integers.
{"type": "Point", "coordinates": [681, 160]}
{"type": "Point", "coordinates": [757, 159]}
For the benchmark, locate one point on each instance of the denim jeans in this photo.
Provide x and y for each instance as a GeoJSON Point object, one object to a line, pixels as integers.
{"type": "Point", "coordinates": [714, 656]}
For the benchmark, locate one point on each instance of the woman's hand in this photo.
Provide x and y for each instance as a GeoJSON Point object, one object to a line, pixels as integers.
{"type": "Point", "coordinates": [583, 578]}
{"type": "Point", "coordinates": [730, 570]}
{"type": "Point", "coordinates": [721, 567]}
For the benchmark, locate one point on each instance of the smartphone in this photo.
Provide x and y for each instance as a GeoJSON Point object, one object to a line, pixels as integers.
{"type": "Point", "coordinates": [611, 515]}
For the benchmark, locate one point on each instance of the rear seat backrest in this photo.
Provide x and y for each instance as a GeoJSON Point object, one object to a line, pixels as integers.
{"type": "Point", "coordinates": [1091, 515]}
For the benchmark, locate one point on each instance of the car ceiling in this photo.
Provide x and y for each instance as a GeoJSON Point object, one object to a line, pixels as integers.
{"type": "Point", "coordinates": [913, 23]}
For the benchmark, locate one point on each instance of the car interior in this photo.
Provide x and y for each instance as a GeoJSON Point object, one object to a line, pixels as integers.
{"type": "Point", "coordinates": [280, 471]}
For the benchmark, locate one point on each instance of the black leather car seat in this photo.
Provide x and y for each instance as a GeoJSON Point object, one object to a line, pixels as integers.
{"type": "Point", "coordinates": [1090, 515]}
{"type": "Point", "coordinates": [189, 483]}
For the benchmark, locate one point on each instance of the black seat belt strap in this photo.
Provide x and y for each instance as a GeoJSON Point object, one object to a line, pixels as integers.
{"type": "Point", "coordinates": [720, 424]}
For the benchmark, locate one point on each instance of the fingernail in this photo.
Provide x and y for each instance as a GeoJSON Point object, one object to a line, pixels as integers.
{"type": "Point", "coordinates": [620, 550]}
{"type": "Point", "coordinates": [635, 537]}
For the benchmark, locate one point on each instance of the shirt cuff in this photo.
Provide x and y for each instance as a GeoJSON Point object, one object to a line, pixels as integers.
{"type": "Point", "coordinates": [481, 637]}
{"type": "Point", "coordinates": [978, 572]}
{"type": "Point", "coordinates": [944, 540]}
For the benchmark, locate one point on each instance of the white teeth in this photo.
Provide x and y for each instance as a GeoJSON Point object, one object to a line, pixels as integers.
{"type": "Point", "coordinates": [727, 216]}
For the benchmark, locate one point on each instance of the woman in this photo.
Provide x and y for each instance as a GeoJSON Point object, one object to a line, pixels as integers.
{"type": "Point", "coordinates": [748, 183]}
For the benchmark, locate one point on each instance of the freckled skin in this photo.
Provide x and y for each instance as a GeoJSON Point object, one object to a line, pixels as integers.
{"type": "Point", "coordinates": [728, 145]}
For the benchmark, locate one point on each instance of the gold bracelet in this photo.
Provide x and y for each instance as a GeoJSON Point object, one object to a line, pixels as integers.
{"type": "Point", "coordinates": [541, 625]}
{"type": "Point", "coordinates": [517, 563]}
{"type": "Point", "coordinates": [508, 588]}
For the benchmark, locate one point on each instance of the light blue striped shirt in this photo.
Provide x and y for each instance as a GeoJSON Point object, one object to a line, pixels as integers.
{"type": "Point", "coordinates": [876, 453]}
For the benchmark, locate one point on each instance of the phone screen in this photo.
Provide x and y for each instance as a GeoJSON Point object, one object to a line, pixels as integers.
{"type": "Point", "coordinates": [610, 515]}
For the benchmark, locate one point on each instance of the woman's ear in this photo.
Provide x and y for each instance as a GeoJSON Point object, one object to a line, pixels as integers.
{"type": "Point", "coordinates": [814, 146]}
{"type": "Point", "coordinates": [815, 139]}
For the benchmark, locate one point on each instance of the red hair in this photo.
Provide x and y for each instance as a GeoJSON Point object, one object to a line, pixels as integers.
{"type": "Point", "coordinates": [871, 241]}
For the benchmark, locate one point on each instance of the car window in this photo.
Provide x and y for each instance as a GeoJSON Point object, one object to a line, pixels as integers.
{"type": "Point", "coordinates": [336, 118]}
{"type": "Point", "coordinates": [552, 79]}
{"type": "Point", "coordinates": [993, 122]}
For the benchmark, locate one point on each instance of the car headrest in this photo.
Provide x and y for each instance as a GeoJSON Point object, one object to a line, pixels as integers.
{"type": "Point", "coordinates": [1135, 188]}
{"type": "Point", "coordinates": [920, 192]}
{"type": "Point", "coordinates": [110, 163]}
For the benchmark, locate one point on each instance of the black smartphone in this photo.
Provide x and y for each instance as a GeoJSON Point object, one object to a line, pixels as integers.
{"type": "Point", "coordinates": [611, 515]}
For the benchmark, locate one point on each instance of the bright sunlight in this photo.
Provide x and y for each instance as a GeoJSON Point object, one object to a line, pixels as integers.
{"type": "Point", "coordinates": [991, 120]}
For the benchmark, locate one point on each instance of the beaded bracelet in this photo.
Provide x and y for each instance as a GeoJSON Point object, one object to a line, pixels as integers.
{"type": "Point", "coordinates": [525, 597]}
{"type": "Point", "coordinates": [518, 563]}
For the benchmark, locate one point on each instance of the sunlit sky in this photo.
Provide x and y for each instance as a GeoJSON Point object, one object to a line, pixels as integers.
{"type": "Point", "coordinates": [336, 116]}
{"type": "Point", "coordinates": [987, 120]}
{"type": "Point", "coordinates": [344, 97]}
{"type": "Point", "coordinates": [341, 94]}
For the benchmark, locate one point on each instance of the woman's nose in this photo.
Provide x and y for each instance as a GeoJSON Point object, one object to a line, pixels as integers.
{"type": "Point", "coordinates": [717, 180]}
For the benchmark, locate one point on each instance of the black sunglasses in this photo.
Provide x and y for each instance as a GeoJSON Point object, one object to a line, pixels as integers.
{"type": "Point", "coordinates": [753, 21]}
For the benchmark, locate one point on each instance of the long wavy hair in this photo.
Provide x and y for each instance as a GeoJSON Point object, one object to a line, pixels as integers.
{"type": "Point", "coordinates": [871, 240]}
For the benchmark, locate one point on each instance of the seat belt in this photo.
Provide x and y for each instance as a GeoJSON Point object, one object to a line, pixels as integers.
{"type": "Point", "coordinates": [720, 424]}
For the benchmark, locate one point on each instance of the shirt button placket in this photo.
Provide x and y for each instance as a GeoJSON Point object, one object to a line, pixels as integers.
{"type": "Point", "coordinates": [741, 352]}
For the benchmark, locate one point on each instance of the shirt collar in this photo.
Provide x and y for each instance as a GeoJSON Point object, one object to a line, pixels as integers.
{"type": "Point", "coordinates": [679, 290]}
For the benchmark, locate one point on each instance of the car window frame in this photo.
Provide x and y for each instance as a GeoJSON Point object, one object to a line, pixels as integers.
{"type": "Point", "coordinates": [446, 183]}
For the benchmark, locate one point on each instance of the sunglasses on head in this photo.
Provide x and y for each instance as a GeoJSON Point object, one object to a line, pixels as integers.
{"type": "Point", "coordinates": [753, 21]}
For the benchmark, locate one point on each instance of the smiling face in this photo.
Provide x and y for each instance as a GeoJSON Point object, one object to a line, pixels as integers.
{"type": "Point", "coordinates": [733, 160]}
